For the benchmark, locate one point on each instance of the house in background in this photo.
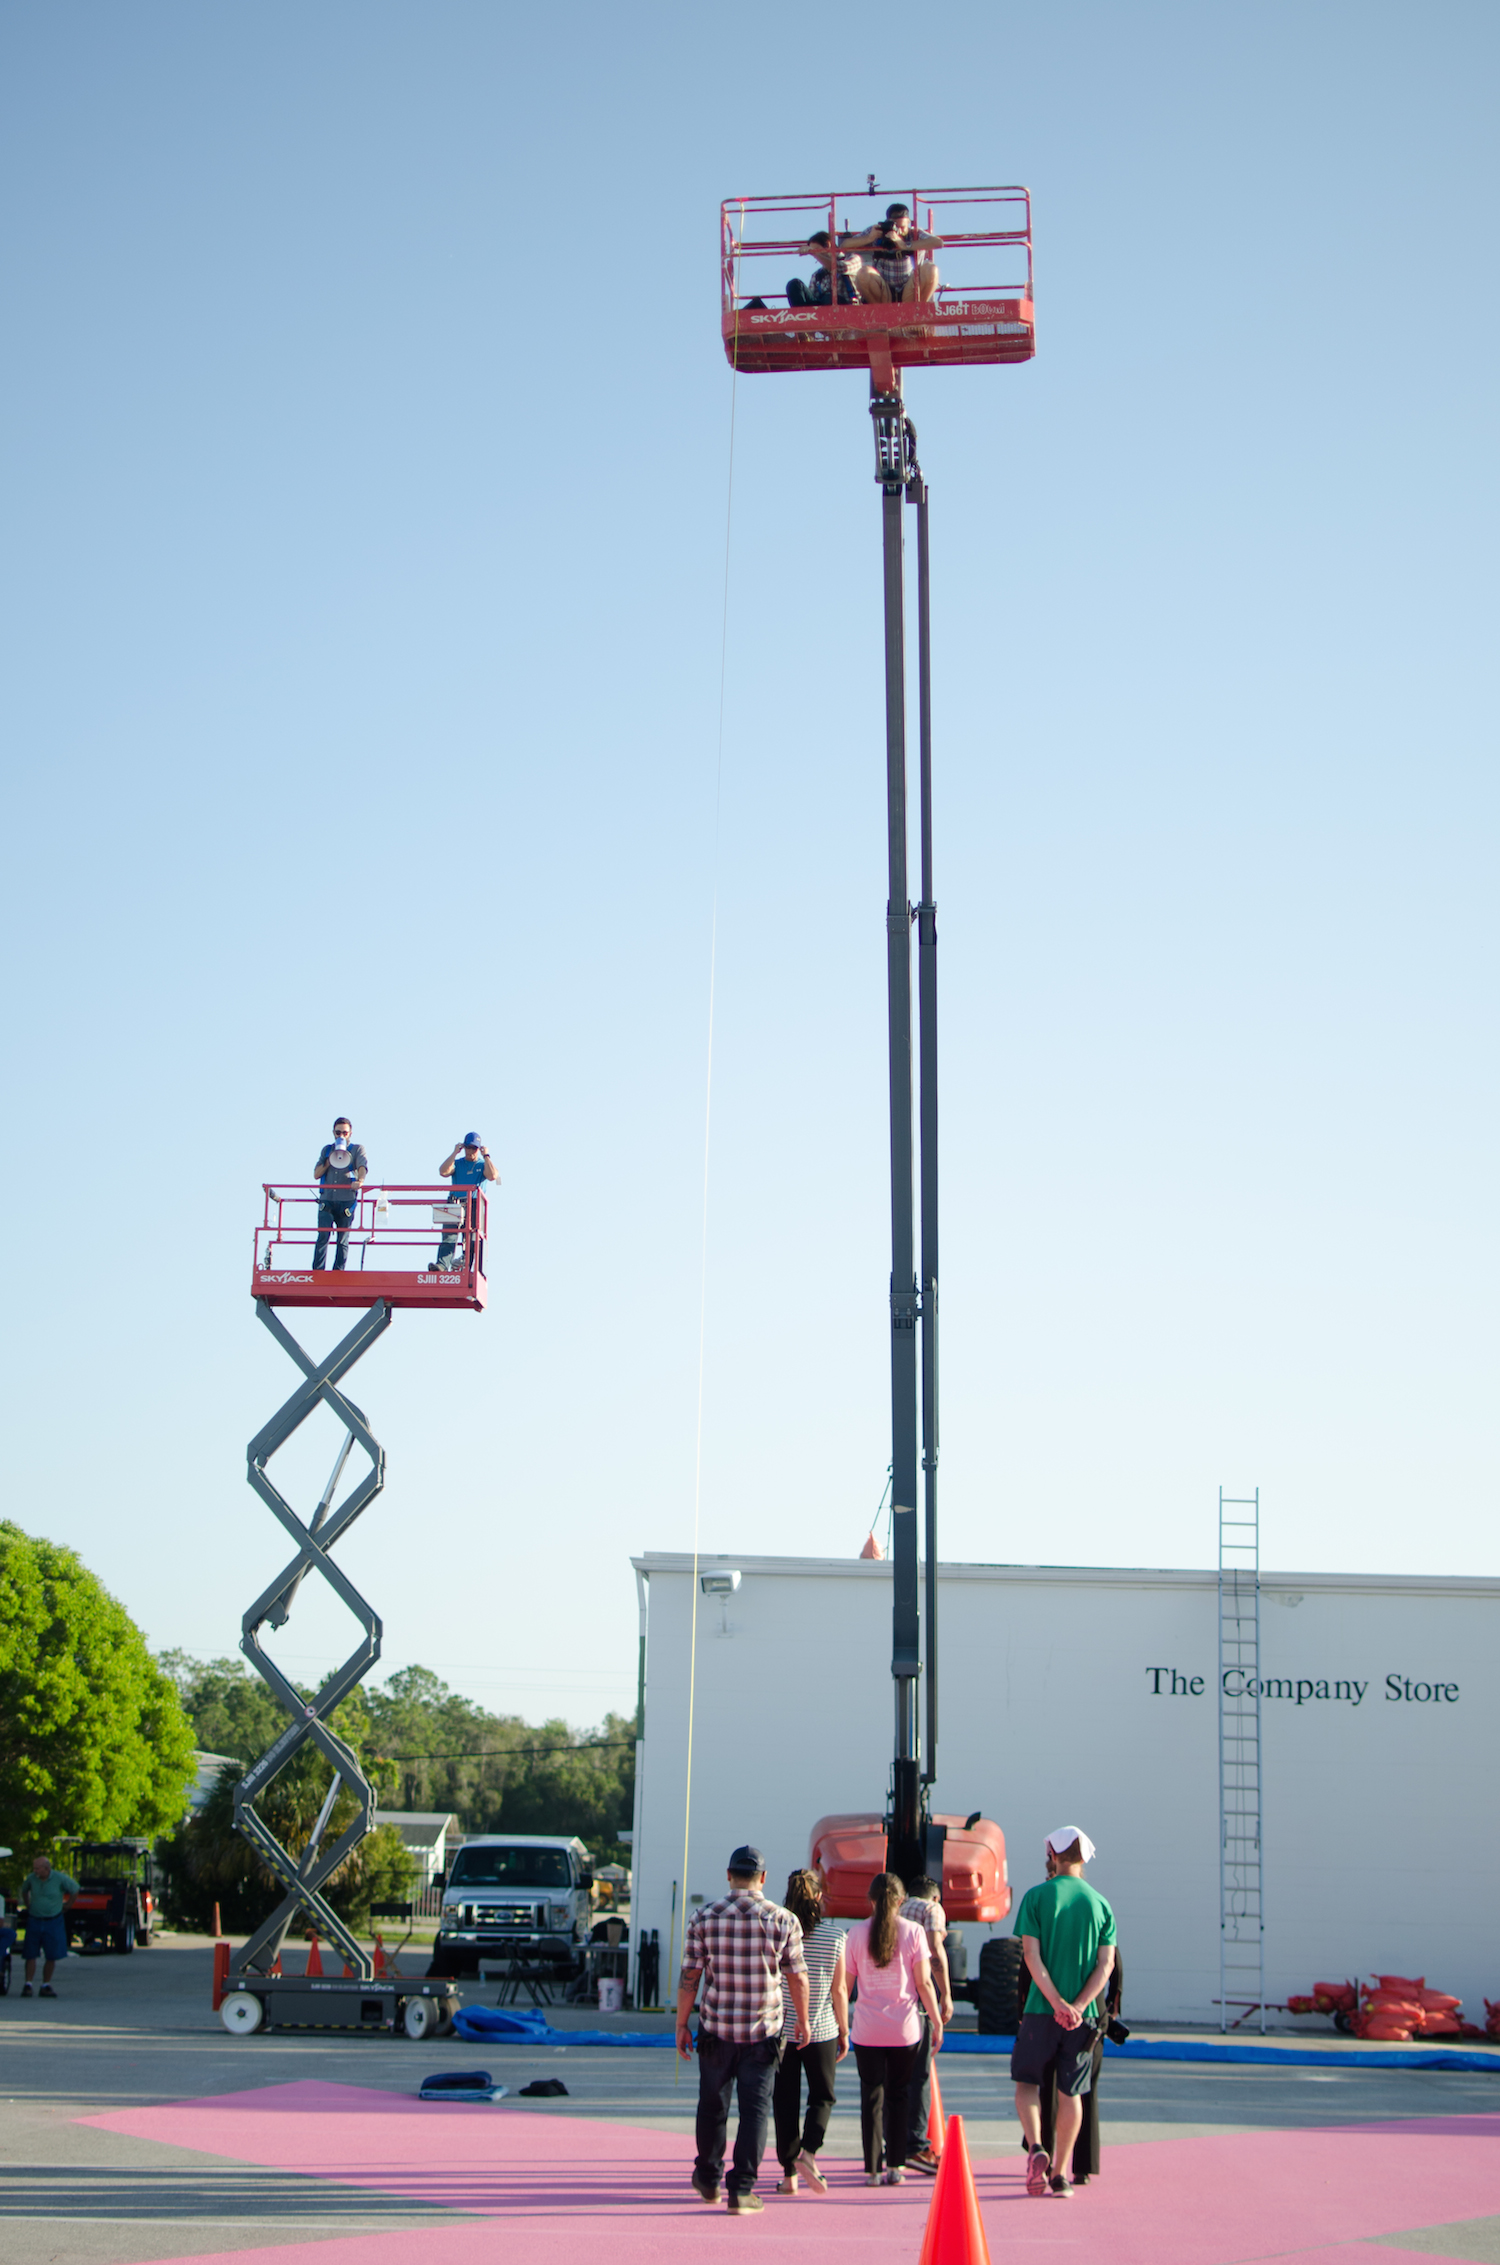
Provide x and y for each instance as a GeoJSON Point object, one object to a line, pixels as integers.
{"type": "Point", "coordinates": [429, 1834]}
{"type": "Point", "coordinates": [206, 1768]}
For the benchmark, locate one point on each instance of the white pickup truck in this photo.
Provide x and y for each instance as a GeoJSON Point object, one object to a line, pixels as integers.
{"type": "Point", "coordinates": [515, 1895]}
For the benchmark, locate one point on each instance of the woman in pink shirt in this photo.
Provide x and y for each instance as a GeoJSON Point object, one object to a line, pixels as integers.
{"type": "Point", "coordinates": [886, 1956]}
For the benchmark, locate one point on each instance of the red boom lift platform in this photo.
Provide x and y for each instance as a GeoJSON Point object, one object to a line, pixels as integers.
{"type": "Point", "coordinates": [989, 319]}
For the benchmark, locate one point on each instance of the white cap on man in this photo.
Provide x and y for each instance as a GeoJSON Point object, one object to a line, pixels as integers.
{"type": "Point", "coordinates": [1063, 1839]}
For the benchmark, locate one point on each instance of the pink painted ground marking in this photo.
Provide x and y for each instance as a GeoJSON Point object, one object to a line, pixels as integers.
{"type": "Point", "coordinates": [1207, 2201]}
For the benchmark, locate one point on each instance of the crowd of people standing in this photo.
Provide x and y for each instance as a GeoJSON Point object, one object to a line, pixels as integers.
{"type": "Point", "coordinates": [786, 1993]}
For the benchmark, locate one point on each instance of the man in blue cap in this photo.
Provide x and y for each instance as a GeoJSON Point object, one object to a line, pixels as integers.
{"type": "Point", "coordinates": [740, 1947]}
{"type": "Point", "coordinates": [466, 1164]}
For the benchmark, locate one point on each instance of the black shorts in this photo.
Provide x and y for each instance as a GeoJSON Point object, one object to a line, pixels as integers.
{"type": "Point", "coordinates": [1043, 2047]}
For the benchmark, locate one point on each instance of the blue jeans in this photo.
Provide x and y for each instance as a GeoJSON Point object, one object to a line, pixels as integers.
{"type": "Point", "coordinates": [341, 1216]}
{"type": "Point", "coordinates": [723, 2067]}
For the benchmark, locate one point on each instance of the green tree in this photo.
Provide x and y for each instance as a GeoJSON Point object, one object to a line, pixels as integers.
{"type": "Point", "coordinates": [422, 1747]}
{"type": "Point", "coordinates": [211, 1863]}
{"type": "Point", "coordinates": [231, 1711]}
{"type": "Point", "coordinates": [93, 1737]}
{"type": "Point", "coordinates": [500, 1774]}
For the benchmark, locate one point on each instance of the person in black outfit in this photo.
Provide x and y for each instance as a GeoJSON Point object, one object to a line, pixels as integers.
{"type": "Point", "coordinates": [1086, 2146]}
{"type": "Point", "coordinates": [832, 259]}
{"type": "Point", "coordinates": [341, 1168]}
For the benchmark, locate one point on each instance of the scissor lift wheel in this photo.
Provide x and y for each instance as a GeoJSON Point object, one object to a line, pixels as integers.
{"type": "Point", "coordinates": [242, 2013]}
{"type": "Point", "coordinates": [420, 2018]}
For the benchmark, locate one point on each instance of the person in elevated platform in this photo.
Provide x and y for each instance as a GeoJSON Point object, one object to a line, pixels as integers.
{"type": "Point", "coordinates": [892, 270]}
{"type": "Point", "coordinates": [341, 1169]}
{"type": "Point", "coordinates": [831, 259]}
{"type": "Point", "coordinates": [466, 1164]}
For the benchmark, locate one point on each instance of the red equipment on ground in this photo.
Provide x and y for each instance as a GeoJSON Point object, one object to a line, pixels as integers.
{"type": "Point", "coordinates": [1395, 2009]}
{"type": "Point", "coordinates": [991, 319]}
{"type": "Point", "coordinates": [850, 1851]}
{"type": "Point", "coordinates": [954, 2233]}
{"type": "Point", "coordinates": [937, 2122]}
{"type": "Point", "coordinates": [401, 1227]}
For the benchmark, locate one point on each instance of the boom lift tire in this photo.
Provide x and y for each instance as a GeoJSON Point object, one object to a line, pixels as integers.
{"type": "Point", "coordinates": [998, 1993]}
{"type": "Point", "coordinates": [123, 1938]}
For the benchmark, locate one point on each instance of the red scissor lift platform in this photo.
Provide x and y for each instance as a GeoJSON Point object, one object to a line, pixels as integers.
{"type": "Point", "coordinates": [394, 1235]}
{"type": "Point", "coordinates": [991, 319]}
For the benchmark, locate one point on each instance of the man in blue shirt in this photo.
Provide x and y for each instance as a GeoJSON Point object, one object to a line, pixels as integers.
{"type": "Point", "coordinates": [341, 1168]}
{"type": "Point", "coordinates": [466, 1164]}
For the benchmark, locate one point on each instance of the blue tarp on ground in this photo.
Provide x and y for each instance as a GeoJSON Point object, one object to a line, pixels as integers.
{"type": "Point", "coordinates": [533, 2028]}
{"type": "Point", "coordinates": [1263, 2056]}
{"type": "Point", "coordinates": [480, 2022]}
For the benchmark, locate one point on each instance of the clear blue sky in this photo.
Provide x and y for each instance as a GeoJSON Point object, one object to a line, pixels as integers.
{"type": "Point", "coordinates": [366, 447]}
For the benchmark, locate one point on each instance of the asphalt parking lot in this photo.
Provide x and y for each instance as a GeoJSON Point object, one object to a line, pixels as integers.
{"type": "Point", "coordinates": [140, 2031]}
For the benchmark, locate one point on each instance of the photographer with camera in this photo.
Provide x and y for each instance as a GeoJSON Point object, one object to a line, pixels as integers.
{"type": "Point", "coordinates": [466, 1164]}
{"type": "Point", "coordinates": [892, 270]}
{"type": "Point", "coordinates": [341, 1168]}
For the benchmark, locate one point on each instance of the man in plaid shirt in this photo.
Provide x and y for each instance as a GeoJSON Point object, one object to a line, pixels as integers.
{"type": "Point", "coordinates": [743, 1945]}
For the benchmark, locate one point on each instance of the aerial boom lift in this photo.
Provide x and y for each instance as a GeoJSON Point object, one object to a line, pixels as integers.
{"type": "Point", "coordinates": [951, 326]}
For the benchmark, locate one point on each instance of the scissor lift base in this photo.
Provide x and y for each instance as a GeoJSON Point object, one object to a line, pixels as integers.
{"type": "Point", "coordinates": [292, 2001]}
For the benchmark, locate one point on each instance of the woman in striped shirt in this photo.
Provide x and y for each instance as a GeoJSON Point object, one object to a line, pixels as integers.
{"type": "Point", "coordinates": [828, 2039]}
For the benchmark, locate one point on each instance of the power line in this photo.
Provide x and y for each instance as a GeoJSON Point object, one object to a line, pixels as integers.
{"type": "Point", "coordinates": [501, 1753]}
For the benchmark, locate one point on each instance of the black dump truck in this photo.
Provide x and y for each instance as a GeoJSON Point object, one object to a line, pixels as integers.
{"type": "Point", "coordinates": [115, 1908]}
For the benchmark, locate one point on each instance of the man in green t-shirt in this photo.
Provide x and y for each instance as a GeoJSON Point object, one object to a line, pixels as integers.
{"type": "Point", "coordinates": [46, 1895]}
{"type": "Point", "coordinates": [1068, 1934]}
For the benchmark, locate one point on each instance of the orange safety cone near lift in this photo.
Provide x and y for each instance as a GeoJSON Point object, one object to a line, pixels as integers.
{"type": "Point", "coordinates": [314, 1956]}
{"type": "Point", "coordinates": [935, 2116]}
{"type": "Point", "coordinates": [955, 2230]}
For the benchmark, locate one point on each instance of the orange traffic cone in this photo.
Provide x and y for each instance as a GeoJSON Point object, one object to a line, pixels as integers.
{"type": "Point", "coordinates": [379, 1952]}
{"type": "Point", "coordinates": [275, 1966]}
{"type": "Point", "coordinates": [221, 1973]}
{"type": "Point", "coordinates": [314, 1956]}
{"type": "Point", "coordinates": [955, 2230]}
{"type": "Point", "coordinates": [935, 2116]}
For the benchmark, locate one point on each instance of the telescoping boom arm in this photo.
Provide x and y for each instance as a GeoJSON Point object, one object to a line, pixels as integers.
{"type": "Point", "coordinates": [914, 1305]}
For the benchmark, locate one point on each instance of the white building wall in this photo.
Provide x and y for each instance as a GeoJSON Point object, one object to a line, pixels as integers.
{"type": "Point", "coordinates": [1058, 1706]}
